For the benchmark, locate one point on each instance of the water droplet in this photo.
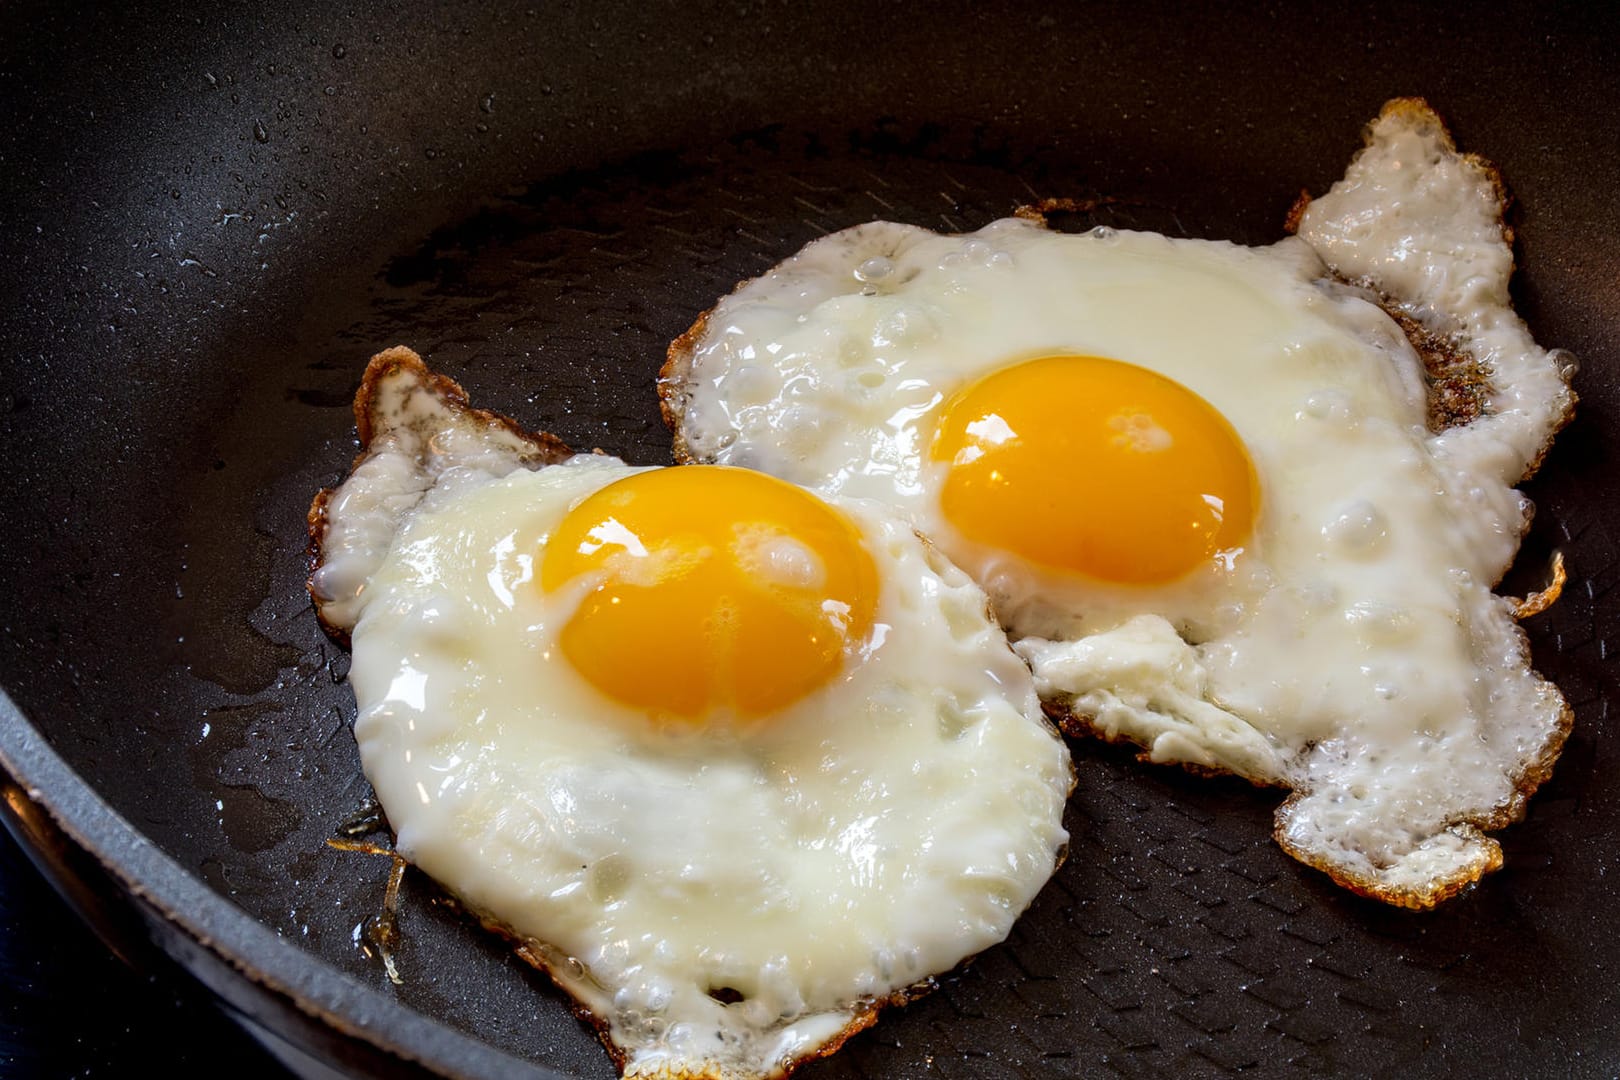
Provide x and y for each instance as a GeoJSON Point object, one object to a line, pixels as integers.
{"type": "Point", "coordinates": [487, 103]}
{"type": "Point", "coordinates": [259, 133]}
{"type": "Point", "coordinates": [339, 52]}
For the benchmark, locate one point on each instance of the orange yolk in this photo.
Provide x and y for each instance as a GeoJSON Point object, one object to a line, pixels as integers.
{"type": "Point", "coordinates": [717, 592]}
{"type": "Point", "coordinates": [1094, 467]}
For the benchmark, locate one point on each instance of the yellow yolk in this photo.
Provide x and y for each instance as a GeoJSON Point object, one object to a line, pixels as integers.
{"type": "Point", "coordinates": [1095, 467]}
{"type": "Point", "coordinates": [718, 592]}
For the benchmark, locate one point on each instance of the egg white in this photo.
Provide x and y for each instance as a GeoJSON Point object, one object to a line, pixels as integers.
{"type": "Point", "coordinates": [811, 866]}
{"type": "Point", "coordinates": [1354, 651]}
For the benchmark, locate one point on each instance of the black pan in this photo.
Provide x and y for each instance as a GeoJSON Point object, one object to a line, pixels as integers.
{"type": "Point", "coordinates": [211, 217]}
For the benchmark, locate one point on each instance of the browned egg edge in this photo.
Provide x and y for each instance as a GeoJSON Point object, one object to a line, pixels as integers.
{"type": "Point", "coordinates": [672, 378]}
{"type": "Point", "coordinates": [1458, 386]}
{"type": "Point", "coordinates": [370, 423]}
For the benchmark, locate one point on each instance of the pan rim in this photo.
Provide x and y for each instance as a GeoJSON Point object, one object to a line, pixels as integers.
{"type": "Point", "coordinates": [255, 954]}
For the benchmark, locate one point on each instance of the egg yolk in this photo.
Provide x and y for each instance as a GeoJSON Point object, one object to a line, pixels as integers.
{"type": "Point", "coordinates": [717, 592]}
{"type": "Point", "coordinates": [1095, 467]}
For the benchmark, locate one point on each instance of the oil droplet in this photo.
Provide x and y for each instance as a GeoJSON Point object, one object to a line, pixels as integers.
{"type": "Point", "coordinates": [259, 133]}
{"type": "Point", "coordinates": [339, 52]}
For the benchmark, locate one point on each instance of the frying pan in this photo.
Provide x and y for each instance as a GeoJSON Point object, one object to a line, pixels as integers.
{"type": "Point", "coordinates": [213, 216]}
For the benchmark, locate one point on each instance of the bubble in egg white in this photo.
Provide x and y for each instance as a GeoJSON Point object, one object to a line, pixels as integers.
{"type": "Point", "coordinates": [1331, 405]}
{"type": "Point", "coordinates": [756, 385]}
{"type": "Point", "coordinates": [907, 326]}
{"type": "Point", "coordinates": [1357, 529]}
{"type": "Point", "coordinates": [1379, 623]}
{"type": "Point", "coordinates": [873, 269]}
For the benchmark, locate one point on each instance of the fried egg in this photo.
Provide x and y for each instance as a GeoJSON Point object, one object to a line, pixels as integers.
{"type": "Point", "coordinates": [1200, 484]}
{"type": "Point", "coordinates": [737, 764]}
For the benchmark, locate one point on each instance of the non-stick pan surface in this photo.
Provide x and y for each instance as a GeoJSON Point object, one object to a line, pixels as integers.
{"type": "Point", "coordinates": [211, 217]}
